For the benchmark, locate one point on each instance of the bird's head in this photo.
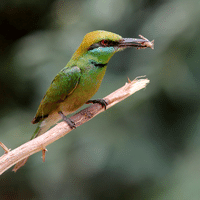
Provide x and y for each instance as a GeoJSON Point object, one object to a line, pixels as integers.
{"type": "Point", "coordinates": [102, 45]}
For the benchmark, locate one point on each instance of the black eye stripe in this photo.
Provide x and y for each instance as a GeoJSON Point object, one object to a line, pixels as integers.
{"type": "Point", "coordinates": [103, 43]}
{"type": "Point", "coordinates": [93, 46]}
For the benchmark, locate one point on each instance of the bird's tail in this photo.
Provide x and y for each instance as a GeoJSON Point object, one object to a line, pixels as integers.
{"type": "Point", "coordinates": [41, 128]}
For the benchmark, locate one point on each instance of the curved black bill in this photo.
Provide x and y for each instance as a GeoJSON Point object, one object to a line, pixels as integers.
{"type": "Point", "coordinates": [136, 42]}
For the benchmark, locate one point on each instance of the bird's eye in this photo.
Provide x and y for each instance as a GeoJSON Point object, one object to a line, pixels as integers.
{"type": "Point", "coordinates": [104, 43]}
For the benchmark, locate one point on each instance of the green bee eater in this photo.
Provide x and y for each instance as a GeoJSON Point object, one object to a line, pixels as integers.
{"type": "Point", "coordinates": [81, 78]}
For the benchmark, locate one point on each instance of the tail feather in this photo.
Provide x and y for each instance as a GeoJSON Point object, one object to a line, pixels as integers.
{"type": "Point", "coordinates": [43, 126]}
{"type": "Point", "coordinates": [23, 162]}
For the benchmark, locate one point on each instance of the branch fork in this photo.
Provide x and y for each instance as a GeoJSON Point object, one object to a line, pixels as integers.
{"type": "Point", "coordinates": [61, 129]}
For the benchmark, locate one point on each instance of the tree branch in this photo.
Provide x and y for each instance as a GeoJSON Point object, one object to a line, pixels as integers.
{"type": "Point", "coordinates": [4, 147]}
{"type": "Point", "coordinates": [61, 129]}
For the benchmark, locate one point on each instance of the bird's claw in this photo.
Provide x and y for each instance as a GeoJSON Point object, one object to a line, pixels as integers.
{"type": "Point", "coordinates": [102, 102]}
{"type": "Point", "coordinates": [71, 123]}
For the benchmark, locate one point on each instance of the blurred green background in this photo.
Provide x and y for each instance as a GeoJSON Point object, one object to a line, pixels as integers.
{"type": "Point", "coordinates": [146, 147]}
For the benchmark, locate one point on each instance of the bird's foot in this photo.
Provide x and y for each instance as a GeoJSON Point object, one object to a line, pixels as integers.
{"type": "Point", "coordinates": [102, 102]}
{"type": "Point", "coordinates": [67, 120]}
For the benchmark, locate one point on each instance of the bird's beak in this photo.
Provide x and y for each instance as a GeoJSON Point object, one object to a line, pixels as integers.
{"type": "Point", "coordinates": [135, 42]}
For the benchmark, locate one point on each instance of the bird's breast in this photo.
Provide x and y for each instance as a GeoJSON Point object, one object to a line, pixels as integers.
{"type": "Point", "coordinates": [88, 85]}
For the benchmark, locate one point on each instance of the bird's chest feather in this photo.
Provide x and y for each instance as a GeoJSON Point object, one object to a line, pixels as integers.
{"type": "Point", "coordinates": [88, 85]}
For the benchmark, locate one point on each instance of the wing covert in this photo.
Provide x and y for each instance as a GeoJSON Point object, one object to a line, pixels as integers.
{"type": "Point", "coordinates": [62, 86]}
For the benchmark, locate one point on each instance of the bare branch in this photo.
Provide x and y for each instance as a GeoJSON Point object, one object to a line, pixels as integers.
{"type": "Point", "coordinates": [61, 129]}
{"type": "Point", "coordinates": [4, 147]}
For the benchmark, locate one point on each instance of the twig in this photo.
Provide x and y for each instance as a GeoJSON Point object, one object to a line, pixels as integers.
{"type": "Point", "coordinates": [4, 147]}
{"type": "Point", "coordinates": [61, 129]}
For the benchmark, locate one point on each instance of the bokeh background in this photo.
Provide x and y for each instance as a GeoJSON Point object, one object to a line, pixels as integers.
{"type": "Point", "coordinates": [146, 147]}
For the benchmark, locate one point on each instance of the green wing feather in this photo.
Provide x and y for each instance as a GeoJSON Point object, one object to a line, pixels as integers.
{"type": "Point", "coordinates": [62, 86]}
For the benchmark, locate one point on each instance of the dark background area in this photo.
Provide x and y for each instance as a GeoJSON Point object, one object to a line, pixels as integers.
{"type": "Point", "coordinates": [146, 147]}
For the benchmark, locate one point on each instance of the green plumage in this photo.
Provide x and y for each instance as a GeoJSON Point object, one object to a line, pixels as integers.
{"type": "Point", "coordinates": [61, 87]}
{"type": "Point", "coordinates": [74, 85]}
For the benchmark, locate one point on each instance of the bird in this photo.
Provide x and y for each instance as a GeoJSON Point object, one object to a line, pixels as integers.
{"type": "Point", "coordinates": [80, 79]}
